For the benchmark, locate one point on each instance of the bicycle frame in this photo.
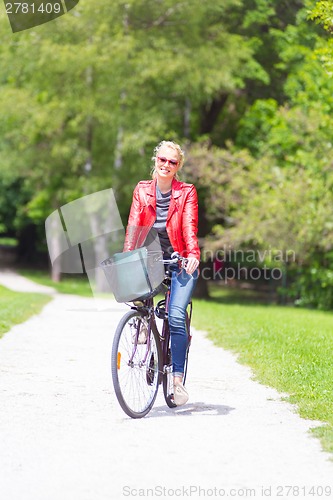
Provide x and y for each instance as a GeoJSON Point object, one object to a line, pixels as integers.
{"type": "Point", "coordinates": [164, 335]}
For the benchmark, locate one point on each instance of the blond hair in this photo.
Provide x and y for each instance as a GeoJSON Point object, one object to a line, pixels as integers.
{"type": "Point", "coordinates": [173, 145]}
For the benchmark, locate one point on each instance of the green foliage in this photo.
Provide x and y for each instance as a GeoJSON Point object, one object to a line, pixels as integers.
{"type": "Point", "coordinates": [217, 171]}
{"type": "Point", "coordinates": [14, 194]}
{"type": "Point", "coordinates": [325, 56]}
{"type": "Point", "coordinates": [281, 197]}
{"type": "Point", "coordinates": [85, 99]}
{"type": "Point", "coordinates": [313, 285]}
{"type": "Point", "coordinates": [302, 122]}
{"type": "Point", "coordinates": [322, 14]}
{"type": "Point", "coordinates": [9, 242]}
{"type": "Point", "coordinates": [264, 204]}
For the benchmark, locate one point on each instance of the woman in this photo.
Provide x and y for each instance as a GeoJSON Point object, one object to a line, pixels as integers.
{"type": "Point", "coordinates": [170, 207]}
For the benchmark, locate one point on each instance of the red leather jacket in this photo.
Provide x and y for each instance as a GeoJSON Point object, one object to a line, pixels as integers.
{"type": "Point", "coordinates": [182, 220]}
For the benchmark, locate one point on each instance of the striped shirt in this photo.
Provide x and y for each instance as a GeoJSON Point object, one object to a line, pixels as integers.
{"type": "Point", "coordinates": [162, 207]}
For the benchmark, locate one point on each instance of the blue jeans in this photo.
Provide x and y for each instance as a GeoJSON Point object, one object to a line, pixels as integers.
{"type": "Point", "coordinates": [182, 286]}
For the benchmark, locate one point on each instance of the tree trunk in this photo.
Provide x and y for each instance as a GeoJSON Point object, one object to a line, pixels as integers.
{"type": "Point", "coordinates": [100, 251]}
{"type": "Point", "coordinates": [56, 270]}
{"type": "Point", "coordinates": [56, 251]}
{"type": "Point", "coordinates": [26, 251]}
{"type": "Point", "coordinates": [187, 118]}
{"type": "Point", "coordinates": [211, 114]}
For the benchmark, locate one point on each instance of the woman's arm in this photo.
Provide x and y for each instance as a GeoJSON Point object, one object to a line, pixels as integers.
{"type": "Point", "coordinates": [133, 225]}
{"type": "Point", "coordinates": [190, 226]}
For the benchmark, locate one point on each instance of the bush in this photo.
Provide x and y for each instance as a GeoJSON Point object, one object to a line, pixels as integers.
{"type": "Point", "coordinates": [313, 285]}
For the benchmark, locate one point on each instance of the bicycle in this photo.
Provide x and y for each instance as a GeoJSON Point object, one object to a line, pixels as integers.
{"type": "Point", "coordinates": [141, 355]}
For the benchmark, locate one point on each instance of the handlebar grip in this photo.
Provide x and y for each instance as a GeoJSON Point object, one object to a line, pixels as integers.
{"type": "Point", "coordinates": [174, 258]}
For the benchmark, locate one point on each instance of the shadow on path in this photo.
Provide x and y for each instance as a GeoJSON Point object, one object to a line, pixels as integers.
{"type": "Point", "coordinates": [191, 409]}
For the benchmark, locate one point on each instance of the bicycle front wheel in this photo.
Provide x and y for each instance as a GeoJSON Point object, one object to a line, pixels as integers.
{"type": "Point", "coordinates": [135, 364]}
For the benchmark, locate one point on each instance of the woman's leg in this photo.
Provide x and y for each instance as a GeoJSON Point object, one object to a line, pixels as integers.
{"type": "Point", "coordinates": [182, 286]}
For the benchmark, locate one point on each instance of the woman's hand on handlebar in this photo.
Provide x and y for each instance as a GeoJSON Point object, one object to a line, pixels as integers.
{"type": "Point", "coordinates": [191, 265]}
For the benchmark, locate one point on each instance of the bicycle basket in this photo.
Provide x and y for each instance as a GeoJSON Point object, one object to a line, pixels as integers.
{"type": "Point", "coordinates": [134, 275]}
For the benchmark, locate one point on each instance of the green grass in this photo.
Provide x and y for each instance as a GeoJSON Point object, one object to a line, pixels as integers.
{"type": "Point", "coordinates": [18, 307]}
{"type": "Point", "coordinates": [10, 242]}
{"type": "Point", "coordinates": [287, 348]}
{"type": "Point", "coordinates": [69, 284]}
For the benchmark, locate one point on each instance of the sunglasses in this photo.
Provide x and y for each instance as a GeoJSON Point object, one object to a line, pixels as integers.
{"type": "Point", "coordinates": [161, 160]}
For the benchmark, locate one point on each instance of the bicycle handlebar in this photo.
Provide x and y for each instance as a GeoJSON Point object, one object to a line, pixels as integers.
{"type": "Point", "coordinates": [175, 257]}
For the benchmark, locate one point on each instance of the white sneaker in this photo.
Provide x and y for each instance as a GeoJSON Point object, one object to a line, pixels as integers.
{"type": "Point", "coordinates": [180, 395]}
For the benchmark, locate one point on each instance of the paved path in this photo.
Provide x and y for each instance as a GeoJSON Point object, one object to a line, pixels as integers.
{"type": "Point", "coordinates": [64, 437]}
{"type": "Point", "coordinates": [17, 283]}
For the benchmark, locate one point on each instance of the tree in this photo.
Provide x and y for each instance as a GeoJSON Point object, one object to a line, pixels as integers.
{"type": "Point", "coordinates": [91, 93]}
{"type": "Point", "coordinates": [322, 15]}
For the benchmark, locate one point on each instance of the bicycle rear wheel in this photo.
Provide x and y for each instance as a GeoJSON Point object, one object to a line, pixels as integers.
{"type": "Point", "coordinates": [135, 364]}
{"type": "Point", "coordinates": [168, 375]}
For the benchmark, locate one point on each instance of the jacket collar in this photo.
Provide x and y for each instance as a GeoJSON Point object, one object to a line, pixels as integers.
{"type": "Point", "coordinates": [176, 189]}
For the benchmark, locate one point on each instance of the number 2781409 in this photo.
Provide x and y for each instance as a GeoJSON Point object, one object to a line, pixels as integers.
{"type": "Point", "coordinates": [32, 8]}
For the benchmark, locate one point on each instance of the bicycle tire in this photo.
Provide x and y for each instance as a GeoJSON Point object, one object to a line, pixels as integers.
{"type": "Point", "coordinates": [168, 376]}
{"type": "Point", "coordinates": [135, 367]}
